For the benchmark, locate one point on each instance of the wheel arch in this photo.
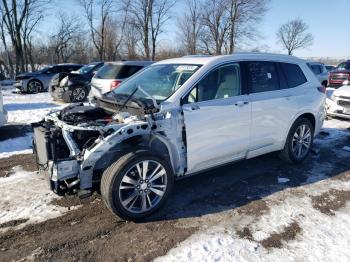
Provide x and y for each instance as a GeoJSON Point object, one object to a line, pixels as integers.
{"type": "Point", "coordinates": [35, 79]}
{"type": "Point", "coordinates": [304, 114]}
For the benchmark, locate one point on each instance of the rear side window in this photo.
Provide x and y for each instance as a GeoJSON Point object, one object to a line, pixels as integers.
{"type": "Point", "coordinates": [115, 71]}
{"type": "Point", "coordinates": [127, 71]}
{"type": "Point", "coordinates": [262, 77]}
{"type": "Point", "coordinates": [293, 74]}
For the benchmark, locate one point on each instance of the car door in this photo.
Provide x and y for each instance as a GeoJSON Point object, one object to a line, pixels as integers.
{"type": "Point", "coordinates": [272, 110]}
{"type": "Point", "coordinates": [217, 116]}
{"type": "Point", "coordinates": [46, 77]}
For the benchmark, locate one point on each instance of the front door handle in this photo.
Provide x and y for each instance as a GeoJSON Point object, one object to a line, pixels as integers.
{"type": "Point", "coordinates": [195, 107]}
{"type": "Point", "coordinates": [241, 103]}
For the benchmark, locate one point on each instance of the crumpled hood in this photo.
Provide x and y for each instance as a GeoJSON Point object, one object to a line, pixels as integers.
{"type": "Point", "coordinates": [342, 91]}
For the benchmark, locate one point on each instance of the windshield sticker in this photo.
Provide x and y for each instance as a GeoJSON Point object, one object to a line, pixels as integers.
{"type": "Point", "coordinates": [186, 68]}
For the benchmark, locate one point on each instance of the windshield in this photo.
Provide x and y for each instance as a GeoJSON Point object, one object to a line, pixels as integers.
{"type": "Point", "coordinates": [344, 66]}
{"type": "Point", "coordinates": [86, 69]}
{"type": "Point", "coordinates": [160, 81]}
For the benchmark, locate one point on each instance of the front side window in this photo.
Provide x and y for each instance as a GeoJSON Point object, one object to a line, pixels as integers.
{"type": "Point", "coordinates": [159, 81]}
{"type": "Point", "coordinates": [223, 82]}
{"type": "Point", "coordinates": [262, 77]}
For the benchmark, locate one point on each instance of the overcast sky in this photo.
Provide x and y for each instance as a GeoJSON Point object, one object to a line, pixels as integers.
{"type": "Point", "coordinates": [329, 22]}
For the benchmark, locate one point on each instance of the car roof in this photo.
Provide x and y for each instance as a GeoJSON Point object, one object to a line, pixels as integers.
{"type": "Point", "coordinates": [202, 60]}
{"type": "Point", "coordinates": [315, 63]}
{"type": "Point", "coordinates": [68, 64]}
{"type": "Point", "coordinates": [135, 63]}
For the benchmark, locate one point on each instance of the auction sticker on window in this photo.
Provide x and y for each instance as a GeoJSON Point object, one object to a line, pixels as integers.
{"type": "Point", "coordinates": [186, 68]}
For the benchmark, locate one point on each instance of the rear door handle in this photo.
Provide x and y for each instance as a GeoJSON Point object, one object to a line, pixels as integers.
{"type": "Point", "coordinates": [241, 103]}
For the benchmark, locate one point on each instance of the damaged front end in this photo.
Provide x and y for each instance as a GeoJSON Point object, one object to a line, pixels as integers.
{"type": "Point", "coordinates": [75, 145]}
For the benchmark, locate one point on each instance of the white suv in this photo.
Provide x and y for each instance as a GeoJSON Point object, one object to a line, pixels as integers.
{"type": "Point", "coordinates": [179, 117]}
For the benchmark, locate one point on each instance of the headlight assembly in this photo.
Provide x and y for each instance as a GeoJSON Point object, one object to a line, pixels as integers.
{"type": "Point", "coordinates": [64, 81]}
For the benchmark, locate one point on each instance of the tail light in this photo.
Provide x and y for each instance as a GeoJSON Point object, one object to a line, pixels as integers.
{"type": "Point", "coordinates": [115, 84]}
{"type": "Point", "coordinates": [321, 89]}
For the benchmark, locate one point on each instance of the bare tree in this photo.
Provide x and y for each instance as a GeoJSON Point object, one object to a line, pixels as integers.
{"type": "Point", "coordinates": [149, 17]}
{"type": "Point", "coordinates": [244, 16]}
{"type": "Point", "coordinates": [61, 42]}
{"type": "Point", "coordinates": [190, 26]}
{"type": "Point", "coordinates": [216, 24]}
{"type": "Point", "coordinates": [19, 20]}
{"type": "Point", "coordinates": [293, 35]}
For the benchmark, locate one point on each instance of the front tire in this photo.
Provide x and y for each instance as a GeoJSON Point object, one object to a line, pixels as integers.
{"type": "Point", "coordinates": [299, 141]}
{"type": "Point", "coordinates": [136, 185]}
{"type": "Point", "coordinates": [79, 94]}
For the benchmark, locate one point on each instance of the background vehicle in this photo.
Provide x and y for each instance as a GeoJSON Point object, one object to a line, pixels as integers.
{"type": "Point", "coordinates": [3, 112]}
{"type": "Point", "coordinates": [330, 68]}
{"type": "Point", "coordinates": [155, 128]}
{"type": "Point", "coordinates": [338, 104]}
{"type": "Point", "coordinates": [320, 72]}
{"type": "Point", "coordinates": [112, 74]}
{"type": "Point", "coordinates": [338, 76]}
{"type": "Point", "coordinates": [74, 86]}
{"type": "Point", "coordinates": [39, 81]}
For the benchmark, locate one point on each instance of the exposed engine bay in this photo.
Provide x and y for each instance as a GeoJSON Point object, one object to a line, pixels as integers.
{"type": "Point", "coordinates": [74, 145]}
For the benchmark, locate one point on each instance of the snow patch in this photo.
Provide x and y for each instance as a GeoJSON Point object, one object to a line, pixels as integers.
{"type": "Point", "coordinates": [15, 146]}
{"type": "Point", "coordinates": [28, 108]}
{"type": "Point", "coordinates": [26, 195]}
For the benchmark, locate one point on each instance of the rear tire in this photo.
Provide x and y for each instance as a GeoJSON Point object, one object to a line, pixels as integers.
{"type": "Point", "coordinates": [299, 141]}
{"type": "Point", "coordinates": [34, 86]}
{"type": "Point", "coordinates": [133, 194]}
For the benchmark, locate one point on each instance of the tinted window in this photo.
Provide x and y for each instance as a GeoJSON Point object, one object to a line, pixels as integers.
{"type": "Point", "coordinates": [127, 71]}
{"type": "Point", "coordinates": [316, 69]}
{"type": "Point", "coordinates": [115, 71]}
{"type": "Point", "coordinates": [53, 70]}
{"type": "Point", "coordinates": [344, 66]}
{"type": "Point", "coordinates": [223, 82]}
{"type": "Point", "coordinates": [262, 77]}
{"type": "Point", "coordinates": [293, 74]}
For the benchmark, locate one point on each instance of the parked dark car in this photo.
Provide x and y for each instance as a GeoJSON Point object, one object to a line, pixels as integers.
{"type": "Point", "coordinates": [39, 81]}
{"type": "Point", "coordinates": [338, 76]}
{"type": "Point", "coordinates": [74, 86]}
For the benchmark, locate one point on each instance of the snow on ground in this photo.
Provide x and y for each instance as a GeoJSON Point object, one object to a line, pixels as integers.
{"type": "Point", "coordinates": [320, 236]}
{"type": "Point", "coordinates": [27, 108]}
{"type": "Point", "coordinates": [15, 146]}
{"type": "Point", "coordinates": [26, 196]}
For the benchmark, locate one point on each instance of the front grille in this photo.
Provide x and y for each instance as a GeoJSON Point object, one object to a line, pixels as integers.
{"type": "Point", "coordinates": [340, 77]}
{"type": "Point", "coordinates": [344, 103]}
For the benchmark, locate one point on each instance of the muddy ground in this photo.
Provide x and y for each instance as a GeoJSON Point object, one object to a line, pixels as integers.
{"type": "Point", "coordinates": [92, 233]}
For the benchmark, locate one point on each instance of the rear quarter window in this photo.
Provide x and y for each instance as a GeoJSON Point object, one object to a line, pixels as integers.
{"type": "Point", "coordinates": [293, 74]}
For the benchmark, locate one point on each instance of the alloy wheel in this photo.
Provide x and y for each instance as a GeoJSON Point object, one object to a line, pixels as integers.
{"type": "Point", "coordinates": [78, 94]}
{"type": "Point", "coordinates": [34, 86]}
{"type": "Point", "coordinates": [301, 141]}
{"type": "Point", "coordinates": [143, 186]}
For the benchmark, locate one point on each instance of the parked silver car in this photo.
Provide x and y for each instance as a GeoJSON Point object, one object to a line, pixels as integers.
{"type": "Point", "coordinates": [39, 81]}
{"type": "Point", "coordinates": [112, 74]}
{"type": "Point", "coordinates": [320, 72]}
